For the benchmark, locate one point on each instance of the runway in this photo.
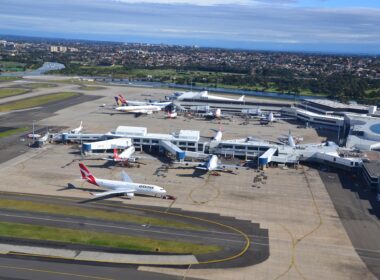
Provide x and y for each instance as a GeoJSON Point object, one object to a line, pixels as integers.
{"type": "Point", "coordinates": [11, 146]}
{"type": "Point", "coordinates": [228, 233]}
{"type": "Point", "coordinates": [20, 268]}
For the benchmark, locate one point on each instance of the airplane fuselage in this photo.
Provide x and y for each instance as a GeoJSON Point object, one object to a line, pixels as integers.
{"type": "Point", "coordinates": [144, 109]}
{"type": "Point", "coordinates": [141, 189]}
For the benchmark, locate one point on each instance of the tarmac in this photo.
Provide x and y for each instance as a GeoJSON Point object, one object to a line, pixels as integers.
{"type": "Point", "coordinates": [229, 234]}
{"type": "Point", "coordinates": [359, 211]}
{"type": "Point", "coordinates": [307, 239]}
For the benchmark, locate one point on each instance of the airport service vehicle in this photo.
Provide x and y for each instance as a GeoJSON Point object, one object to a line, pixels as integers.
{"type": "Point", "coordinates": [212, 164]}
{"type": "Point", "coordinates": [251, 112]}
{"type": "Point", "coordinates": [171, 111]}
{"type": "Point", "coordinates": [126, 187]}
{"type": "Point", "coordinates": [78, 129]}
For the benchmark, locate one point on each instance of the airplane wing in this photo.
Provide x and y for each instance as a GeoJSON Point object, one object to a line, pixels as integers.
{"type": "Point", "coordinates": [113, 193]}
{"type": "Point", "coordinates": [222, 167]}
{"type": "Point", "coordinates": [109, 194]}
{"type": "Point", "coordinates": [190, 163]}
{"type": "Point", "coordinates": [125, 177]}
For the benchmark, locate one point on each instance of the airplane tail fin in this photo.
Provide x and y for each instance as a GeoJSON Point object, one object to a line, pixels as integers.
{"type": "Point", "coordinates": [118, 102]}
{"type": "Point", "coordinates": [241, 98]}
{"type": "Point", "coordinates": [123, 100]}
{"type": "Point", "coordinates": [115, 154]}
{"type": "Point", "coordinates": [86, 174]}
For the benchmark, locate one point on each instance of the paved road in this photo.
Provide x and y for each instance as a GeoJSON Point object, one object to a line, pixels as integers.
{"type": "Point", "coordinates": [359, 213]}
{"type": "Point", "coordinates": [19, 268]}
{"type": "Point", "coordinates": [11, 147]}
{"type": "Point", "coordinates": [232, 242]}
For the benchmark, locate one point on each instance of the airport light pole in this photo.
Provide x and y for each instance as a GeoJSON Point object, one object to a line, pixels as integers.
{"type": "Point", "coordinates": [33, 129]}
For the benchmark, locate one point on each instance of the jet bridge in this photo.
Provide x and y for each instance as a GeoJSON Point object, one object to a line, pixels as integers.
{"type": "Point", "coordinates": [266, 157]}
{"type": "Point", "coordinates": [173, 149]}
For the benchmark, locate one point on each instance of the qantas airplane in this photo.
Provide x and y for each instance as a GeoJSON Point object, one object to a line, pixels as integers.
{"type": "Point", "coordinates": [124, 157]}
{"type": "Point", "coordinates": [126, 187]}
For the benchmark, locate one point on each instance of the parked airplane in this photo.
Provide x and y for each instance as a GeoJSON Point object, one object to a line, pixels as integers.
{"type": "Point", "coordinates": [270, 118]}
{"type": "Point", "coordinates": [121, 101]}
{"type": "Point", "coordinates": [215, 114]}
{"type": "Point", "coordinates": [143, 109]}
{"type": "Point", "coordinates": [125, 157]}
{"type": "Point", "coordinates": [218, 135]}
{"type": "Point", "coordinates": [126, 187]}
{"type": "Point", "coordinates": [212, 164]}
{"type": "Point", "coordinates": [203, 95]}
{"type": "Point", "coordinates": [78, 129]}
{"type": "Point", "coordinates": [290, 139]}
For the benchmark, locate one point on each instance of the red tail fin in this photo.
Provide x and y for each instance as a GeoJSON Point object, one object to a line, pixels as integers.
{"type": "Point", "coordinates": [86, 174]}
{"type": "Point", "coordinates": [115, 155]}
{"type": "Point", "coordinates": [123, 100]}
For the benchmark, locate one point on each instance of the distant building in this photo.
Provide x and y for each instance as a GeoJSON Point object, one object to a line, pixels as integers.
{"type": "Point", "coordinates": [326, 106]}
{"type": "Point", "coordinates": [58, 49]}
{"type": "Point", "coordinates": [364, 132]}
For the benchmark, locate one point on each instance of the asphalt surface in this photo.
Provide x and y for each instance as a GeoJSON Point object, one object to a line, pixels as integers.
{"type": "Point", "coordinates": [359, 212]}
{"type": "Point", "coordinates": [12, 146]}
{"type": "Point", "coordinates": [13, 267]}
{"type": "Point", "coordinates": [231, 241]}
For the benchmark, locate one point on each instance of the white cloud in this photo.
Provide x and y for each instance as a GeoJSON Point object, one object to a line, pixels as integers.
{"type": "Point", "coordinates": [190, 2]}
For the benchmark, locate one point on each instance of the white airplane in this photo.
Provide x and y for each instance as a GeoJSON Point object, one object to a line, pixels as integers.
{"type": "Point", "coordinates": [290, 140]}
{"type": "Point", "coordinates": [143, 109]}
{"type": "Point", "coordinates": [212, 164]}
{"type": "Point", "coordinates": [203, 95]}
{"type": "Point", "coordinates": [216, 114]}
{"type": "Point", "coordinates": [218, 136]}
{"type": "Point", "coordinates": [125, 156]}
{"type": "Point", "coordinates": [270, 118]}
{"type": "Point", "coordinates": [126, 187]}
{"type": "Point", "coordinates": [78, 129]}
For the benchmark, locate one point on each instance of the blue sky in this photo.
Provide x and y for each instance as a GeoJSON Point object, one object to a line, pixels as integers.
{"type": "Point", "coordinates": [349, 26]}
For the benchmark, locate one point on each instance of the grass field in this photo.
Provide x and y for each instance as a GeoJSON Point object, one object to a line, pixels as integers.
{"type": "Point", "coordinates": [91, 213]}
{"type": "Point", "coordinates": [36, 101]}
{"type": "Point", "coordinates": [85, 87]}
{"type": "Point", "coordinates": [11, 64]}
{"type": "Point", "coordinates": [8, 79]}
{"type": "Point", "coordinates": [101, 239]}
{"type": "Point", "coordinates": [6, 92]}
{"type": "Point", "coordinates": [13, 131]}
{"type": "Point", "coordinates": [39, 85]}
